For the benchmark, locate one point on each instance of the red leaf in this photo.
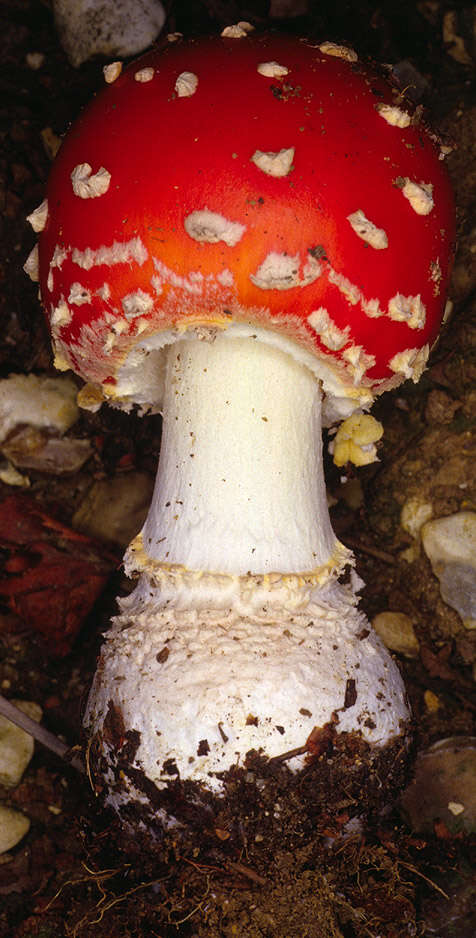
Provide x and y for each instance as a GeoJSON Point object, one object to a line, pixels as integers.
{"type": "Point", "coordinates": [52, 576]}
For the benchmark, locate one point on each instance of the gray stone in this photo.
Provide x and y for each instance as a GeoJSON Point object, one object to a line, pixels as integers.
{"type": "Point", "coordinates": [16, 746]}
{"type": "Point", "coordinates": [450, 545]}
{"type": "Point", "coordinates": [13, 826]}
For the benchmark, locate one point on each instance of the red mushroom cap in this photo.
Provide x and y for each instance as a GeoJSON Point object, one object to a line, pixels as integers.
{"type": "Point", "coordinates": [264, 183]}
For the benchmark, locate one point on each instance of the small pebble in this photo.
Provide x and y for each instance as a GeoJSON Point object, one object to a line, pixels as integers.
{"type": "Point", "coordinates": [450, 545]}
{"type": "Point", "coordinates": [415, 512]}
{"type": "Point", "coordinates": [35, 60]}
{"type": "Point", "coordinates": [444, 787]}
{"type": "Point", "coordinates": [37, 400]}
{"type": "Point", "coordinates": [397, 633]}
{"type": "Point", "coordinates": [115, 509]}
{"type": "Point", "coordinates": [440, 407]}
{"type": "Point", "coordinates": [13, 826]}
{"type": "Point", "coordinates": [16, 746]}
{"type": "Point", "coordinates": [432, 702]}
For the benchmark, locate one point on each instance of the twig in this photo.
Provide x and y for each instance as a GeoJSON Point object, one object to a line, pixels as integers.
{"type": "Point", "coordinates": [43, 736]}
{"type": "Point", "coordinates": [194, 910]}
{"type": "Point", "coordinates": [368, 549]}
{"type": "Point", "coordinates": [91, 877]}
{"type": "Point", "coordinates": [246, 871]}
{"type": "Point", "coordinates": [290, 754]}
{"type": "Point", "coordinates": [413, 869]}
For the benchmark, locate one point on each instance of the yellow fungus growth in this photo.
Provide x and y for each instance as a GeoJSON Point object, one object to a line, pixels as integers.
{"type": "Point", "coordinates": [355, 440]}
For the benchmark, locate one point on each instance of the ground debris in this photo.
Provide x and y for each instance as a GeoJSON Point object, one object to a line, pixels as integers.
{"type": "Point", "coordinates": [51, 575]}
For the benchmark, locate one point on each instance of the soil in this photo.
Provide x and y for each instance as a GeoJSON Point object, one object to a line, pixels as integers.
{"type": "Point", "coordinates": [76, 874]}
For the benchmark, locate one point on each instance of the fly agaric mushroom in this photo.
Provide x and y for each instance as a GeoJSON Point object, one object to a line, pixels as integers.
{"type": "Point", "coordinates": [241, 232]}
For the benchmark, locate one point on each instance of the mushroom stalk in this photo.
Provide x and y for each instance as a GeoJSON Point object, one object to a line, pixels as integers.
{"type": "Point", "coordinates": [240, 486]}
{"type": "Point", "coordinates": [239, 635]}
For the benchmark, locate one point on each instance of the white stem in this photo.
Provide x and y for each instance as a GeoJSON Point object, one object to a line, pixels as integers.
{"type": "Point", "coordinates": [240, 486]}
{"type": "Point", "coordinates": [239, 635]}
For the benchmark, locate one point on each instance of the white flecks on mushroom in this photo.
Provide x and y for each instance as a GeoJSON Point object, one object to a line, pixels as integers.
{"type": "Point", "coordinates": [394, 115]}
{"type": "Point", "coordinates": [366, 230]}
{"type": "Point", "coordinates": [340, 52]}
{"type": "Point", "coordinates": [197, 277]}
{"type": "Point", "coordinates": [38, 217]}
{"type": "Point", "coordinates": [89, 185]}
{"type": "Point", "coordinates": [281, 272]}
{"type": "Point", "coordinates": [419, 363]}
{"type": "Point", "coordinates": [60, 315]}
{"type": "Point", "coordinates": [408, 309]}
{"type": "Point", "coordinates": [91, 337]}
{"type": "Point", "coordinates": [345, 286]}
{"type": "Point", "coordinates": [137, 303]}
{"type": "Point", "coordinates": [174, 37]}
{"type": "Point", "coordinates": [354, 295]}
{"type": "Point", "coordinates": [274, 164]}
{"type": "Point", "coordinates": [277, 272]}
{"type": "Point", "coordinates": [311, 270]}
{"type": "Point", "coordinates": [436, 275]}
{"type": "Point", "coordinates": [372, 308]}
{"type": "Point", "coordinates": [225, 277]}
{"type": "Point", "coordinates": [79, 294]}
{"type": "Point", "coordinates": [419, 195]}
{"type": "Point", "coordinates": [60, 254]}
{"type": "Point", "coordinates": [60, 358]}
{"type": "Point", "coordinates": [211, 227]}
{"type": "Point", "coordinates": [109, 343]}
{"type": "Point", "coordinates": [141, 326]}
{"type": "Point", "coordinates": [111, 72]}
{"type": "Point", "coordinates": [238, 31]}
{"type": "Point", "coordinates": [104, 292]}
{"type": "Point", "coordinates": [186, 84]}
{"type": "Point", "coordinates": [143, 75]}
{"type": "Point", "coordinates": [32, 265]}
{"type": "Point", "coordinates": [157, 284]}
{"type": "Point", "coordinates": [272, 70]}
{"type": "Point", "coordinates": [117, 328]}
{"type": "Point", "coordinates": [119, 252]}
{"type": "Point", "coordinates": [330, 335]}
{"type": "Point", "coordinates": [411, 362]}
{"type": "Point", "coordinates": [192, 284]}
{"type": "Point", "coordinates": [359, 361]}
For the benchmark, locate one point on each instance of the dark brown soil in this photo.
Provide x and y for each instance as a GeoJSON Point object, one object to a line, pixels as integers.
{"type": "Point", "coordinates": [76, 874]}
